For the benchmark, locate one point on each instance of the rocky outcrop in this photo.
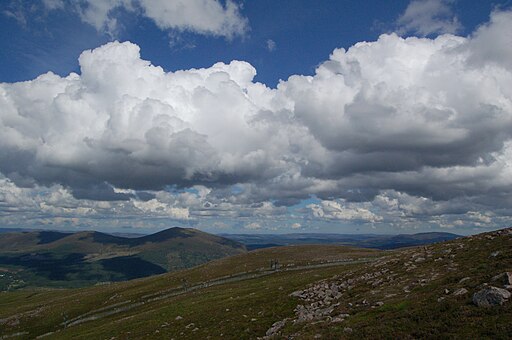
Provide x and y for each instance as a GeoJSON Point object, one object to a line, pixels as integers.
{"type": "Point", "coordinates": [491, 296]}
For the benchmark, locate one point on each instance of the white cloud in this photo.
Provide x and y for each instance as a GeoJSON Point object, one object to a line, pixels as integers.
{"type": "Point", "coordinates": [296, 226]}
{"type": "Point", "coordinates": [208, 17]}
{"type": "Point", "coordinates": [271, 45]}
{"type": "Point", "coordinates": [156, 207]}
{"type": "Point", "coordinates": [41, 202]}
{"type": "Point", "coordinates": [53, 4]}
{"type": "Point", "coordinates": [425, 17]}
{"type": "Point", "coordinates": [253, 226]}
{"type": "Point", "coordinates": [339, 210]}
{"type": "Point", "coordinates": [490, 44]}
{"type": "Point", "coordinates": [482, 218]}
{"type": "Point", "coordinates": [200, 16]}
{"type": "Point", "coordinates": [97, 13]}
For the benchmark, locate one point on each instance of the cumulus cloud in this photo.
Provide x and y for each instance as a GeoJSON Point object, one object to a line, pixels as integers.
{"type": "Point", "coordinates": [395, 130]}
{"type": "Point", "coordinates": [340, 210]}
{"type": "Point", "coordinates": [57, 201]}
{"type": "Point", "coordinates": [253, 226]}
{"type": "Point", "coordinates": [156, 207]}
{"type": "Point", "coordinates": [209, 17]}
{"type": "Point", "coordinates": [426, 17]}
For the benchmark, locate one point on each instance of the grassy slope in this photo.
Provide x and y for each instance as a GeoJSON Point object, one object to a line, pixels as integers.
{"type": "Point", "coordinates": [410, 292]}
{"type": "Point", "coordinates": [421, 307]}
{"type": "Point", "coordinates": [39, 311]}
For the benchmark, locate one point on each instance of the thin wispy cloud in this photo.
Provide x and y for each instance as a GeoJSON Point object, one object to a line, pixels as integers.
{"type": "Point", "coordinates": [426, 17]}
{"type": "Point", "coordinates": [271, 45]}
{"type": "Point", "coordinates": [205, 17]}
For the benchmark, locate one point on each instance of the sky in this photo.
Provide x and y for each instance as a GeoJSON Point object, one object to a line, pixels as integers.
{"type": "Point", "coordinates": [256, 116]}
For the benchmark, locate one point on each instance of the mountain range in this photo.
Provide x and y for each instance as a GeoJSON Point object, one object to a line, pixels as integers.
{"type": "Point", "coordinates": [256, 241]}
{"type": "Point", "coordinates": [58, 259]}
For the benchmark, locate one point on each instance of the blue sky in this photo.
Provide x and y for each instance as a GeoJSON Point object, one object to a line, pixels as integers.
{"type": "Point", "coordinates": [388, 117]}
{"type": "Point", "coordinates": [304, 33]}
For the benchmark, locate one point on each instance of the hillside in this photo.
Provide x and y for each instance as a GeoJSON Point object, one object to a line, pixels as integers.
{"type": "Point", "coordinates": [48, 258]}
{"type": "Point", "coordinates": [326, 292]}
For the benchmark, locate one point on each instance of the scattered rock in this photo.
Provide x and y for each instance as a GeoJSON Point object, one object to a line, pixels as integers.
{"type": "Point", "coordinates": [503, 278]}
{"type": "Point", "coordinates": [347, 330]}
{"type": "Point", "coordinates": [179, 317]}
{"type": "Point", "coordinates": [491, 296]}
{"type": "Point", "coordinates": [337, 319]}
{"type": "Point", "coordinates": [495, 253]}
{"type": "Point", "coordinates": [464, 279]}
{"type": "Point", "coordinates": [276, 326]}
{"type": "Point", "coordinates": [460, 291]}
{"type": "Point", "coordinates": [508, 278]}
{"type": "Point", "coordinates": [297, 293]}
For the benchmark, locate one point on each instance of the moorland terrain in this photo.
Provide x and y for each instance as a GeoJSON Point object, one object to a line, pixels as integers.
{"type": "Point", "coordinates": [442, 290]}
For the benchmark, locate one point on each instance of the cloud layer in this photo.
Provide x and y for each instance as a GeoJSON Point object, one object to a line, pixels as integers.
{"type": "Point", "coordinates": [391, 131]}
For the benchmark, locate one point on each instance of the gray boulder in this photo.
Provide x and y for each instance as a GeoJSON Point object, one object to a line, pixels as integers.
{"type": "Point", "coordinates": [491, 296]}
